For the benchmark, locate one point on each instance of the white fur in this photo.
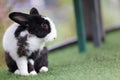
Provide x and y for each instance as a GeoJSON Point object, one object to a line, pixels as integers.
{"type": "Point", "coordinates": [10, 42]}
{"type": "Point", "coordinates": [31, 61]}
{"type": "Point", "coordinates": [44, 69]}
{"type": "Point", "coordinates": [22, 34]}
{"type": "Point", "coordinates": [17, 72]}
{"type": "Point", "coordinates": [35, 43]}
{"type": "Point", "coordinates": [33, 73]}
{"type": "Point", "coordinates": [22, 65]}
{"type": "Point", "coordinates": [53, 34]}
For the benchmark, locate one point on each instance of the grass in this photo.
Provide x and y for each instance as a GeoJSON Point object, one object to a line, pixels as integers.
{"type": "Point", "coordinates": [68, 64]}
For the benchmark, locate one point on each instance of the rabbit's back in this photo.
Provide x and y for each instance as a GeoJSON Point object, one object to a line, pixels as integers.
{"type": "Point", "coordinates": [9, 40]}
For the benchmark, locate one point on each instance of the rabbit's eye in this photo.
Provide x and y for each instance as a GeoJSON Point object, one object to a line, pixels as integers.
{"type": "Point", "coordinates": [44, 26]}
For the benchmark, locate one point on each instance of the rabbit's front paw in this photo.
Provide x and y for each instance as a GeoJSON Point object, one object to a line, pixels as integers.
{"type": "Point", "coordinates": [44, 69]}
{"type": "Point", "coordinates": [33, 73]}
{"type": "Point", "coordinates": [24, 74]}
{"type": "Point", "coordinates": [17, 72]}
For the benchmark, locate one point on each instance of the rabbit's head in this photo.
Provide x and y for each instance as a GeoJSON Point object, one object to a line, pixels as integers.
{"type": "Point", "coordinates": [36, 24]}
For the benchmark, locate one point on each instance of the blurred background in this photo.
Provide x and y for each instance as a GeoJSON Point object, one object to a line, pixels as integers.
{"type": "Point", "coordinates": [60, 11]}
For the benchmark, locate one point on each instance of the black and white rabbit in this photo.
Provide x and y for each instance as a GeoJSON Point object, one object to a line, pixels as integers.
{"type": "Point", "coordinates": [24, 42]}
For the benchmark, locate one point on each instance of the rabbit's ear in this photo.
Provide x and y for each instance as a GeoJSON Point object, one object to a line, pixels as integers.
{"type": "Point", "coordinates": [19, 18]}
{"type": "Point", "coordinates": [34, 11]}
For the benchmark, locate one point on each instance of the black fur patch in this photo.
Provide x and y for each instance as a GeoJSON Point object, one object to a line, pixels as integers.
{"type": "Point", "coordinates": [19, 30]}
{"type": "Point", "coordinates": [42, 60]}
{"type": "Point", "coordinates": [10, 63]}
{"type": "Point", "coordinates": [34, 55]}
{"type": "Point", "coordinates": [30, 67]}
{"type": "Point", "coordinates": [39, 26]}
{"type": "Point", "coordinates": [22, 51]}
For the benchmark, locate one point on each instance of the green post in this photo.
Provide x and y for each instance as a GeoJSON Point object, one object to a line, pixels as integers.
{"type": "Point", "coordinates": [78, 6]}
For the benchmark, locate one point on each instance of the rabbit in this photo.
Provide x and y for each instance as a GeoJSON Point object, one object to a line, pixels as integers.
{"type": "Point", "coordinates": [24, 42]}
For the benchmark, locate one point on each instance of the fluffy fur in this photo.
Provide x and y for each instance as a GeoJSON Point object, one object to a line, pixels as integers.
{"type": "Point", "coordinates": [24, 42]}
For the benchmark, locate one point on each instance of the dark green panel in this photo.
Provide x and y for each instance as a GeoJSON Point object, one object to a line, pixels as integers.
{"type": "Point", "coordinates": [78, 6]}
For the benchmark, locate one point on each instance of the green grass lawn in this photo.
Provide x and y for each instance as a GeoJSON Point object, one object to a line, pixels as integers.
{"type": "Point", "coordinates": [69, 64]}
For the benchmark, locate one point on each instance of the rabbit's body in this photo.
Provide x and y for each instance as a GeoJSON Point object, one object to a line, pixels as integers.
{"type": "Point", "coordinates": [25, 45]}
{"type": "Point", "coordinates": [11, 43]}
